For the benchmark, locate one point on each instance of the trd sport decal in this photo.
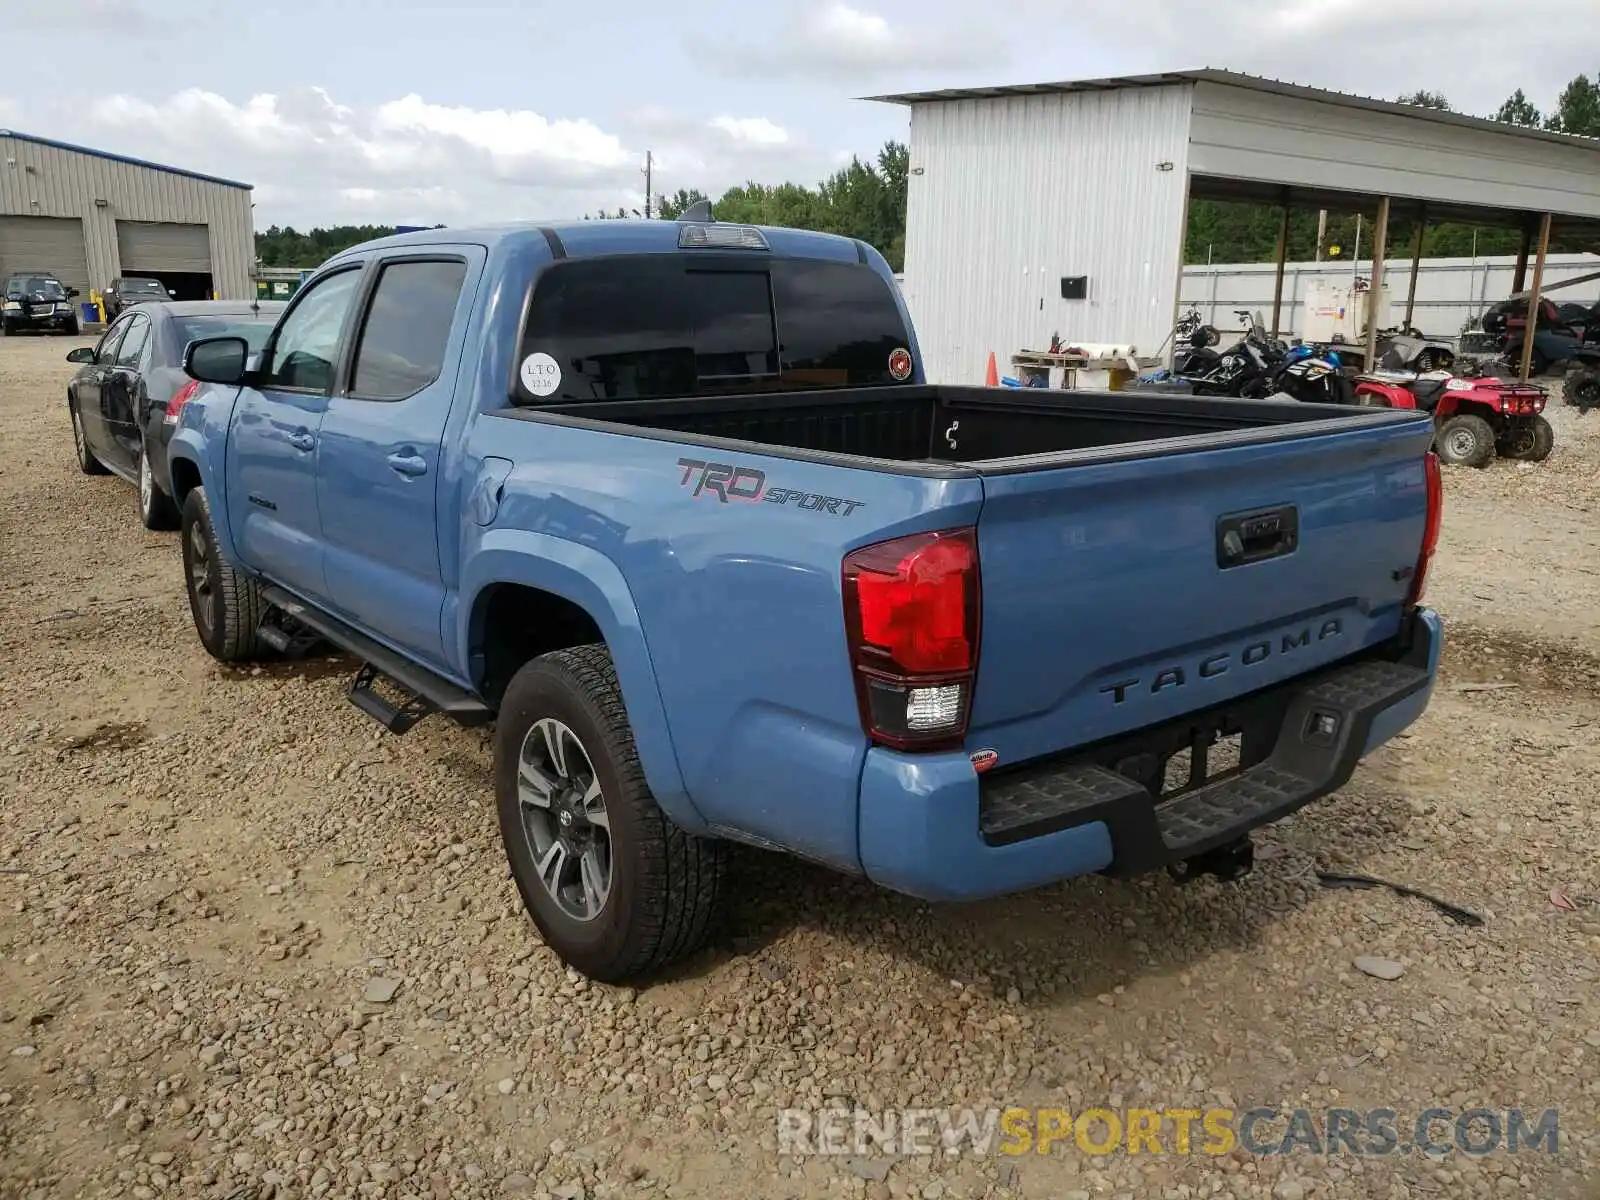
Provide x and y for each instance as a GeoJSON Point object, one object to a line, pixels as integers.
{"type": "Point", "coordinates": [728, 483]}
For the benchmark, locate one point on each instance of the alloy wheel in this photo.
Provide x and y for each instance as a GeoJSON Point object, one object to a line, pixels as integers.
{"type": "Point", "coordinates": [564, 819]}
{"type": "Point", "coordinates": [200, 575]}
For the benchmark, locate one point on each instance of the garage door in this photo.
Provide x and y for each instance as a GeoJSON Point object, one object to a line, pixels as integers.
{"type": "Point", "coordinates": [156, 248]}
{"type": "Point", "coordinates": [53, 244]}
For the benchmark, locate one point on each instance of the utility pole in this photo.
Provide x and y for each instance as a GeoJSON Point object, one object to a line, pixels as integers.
{"type": "Point", "coordinates": [1322, 231]}
{"type": "Point", "coordinates": [649, 165]}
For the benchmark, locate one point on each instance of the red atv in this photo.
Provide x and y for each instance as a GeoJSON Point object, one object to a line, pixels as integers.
{"type": "Point", "coordinates": [1473, 419]}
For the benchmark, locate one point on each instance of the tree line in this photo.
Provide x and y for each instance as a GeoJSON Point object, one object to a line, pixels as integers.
{"type": "Point", "coordinates": [867, 200]}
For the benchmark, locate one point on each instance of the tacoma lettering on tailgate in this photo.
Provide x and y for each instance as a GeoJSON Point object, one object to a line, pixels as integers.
{"type": "Point", "coordinates": [1257, 652]}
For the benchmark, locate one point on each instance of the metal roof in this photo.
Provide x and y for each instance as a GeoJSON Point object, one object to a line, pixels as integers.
{"type": "Point", "coordinates": [1256, 83]}
{"type": "Point", "coordinates": [122, 158]}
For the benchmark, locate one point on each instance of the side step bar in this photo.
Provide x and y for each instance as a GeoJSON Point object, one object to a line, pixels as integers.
{"type": "Point", "coordinates": [427, 692]}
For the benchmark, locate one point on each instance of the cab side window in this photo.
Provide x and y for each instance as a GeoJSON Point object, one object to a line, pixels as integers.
{"type": "Point", "coordinates": [134, 342]}
{"type": "Point", "coordinates": [306, 345]}
{"type": "Point", "coordinates": [105, 350]}
{"type": "Point", "coordinates": [407, 328]}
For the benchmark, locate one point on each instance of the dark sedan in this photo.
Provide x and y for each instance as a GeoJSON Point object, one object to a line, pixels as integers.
{"type": "Point", "coordinates": [125, 398]}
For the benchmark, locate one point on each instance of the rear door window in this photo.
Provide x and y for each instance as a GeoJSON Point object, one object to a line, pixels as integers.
{"type": "Point", "coordinates": [402, 343]}
{"type": "Point", "coordinates": [658, 326]}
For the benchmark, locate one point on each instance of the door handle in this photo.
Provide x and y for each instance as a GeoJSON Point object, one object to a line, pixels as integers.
{"type": "Point", "coordinates": [301, 440]}
{"type": "Point", "coordinates": [409, 464]}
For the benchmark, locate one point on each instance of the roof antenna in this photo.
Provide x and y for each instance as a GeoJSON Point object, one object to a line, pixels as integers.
{"type": "Point", "coordinates": [700, 210]}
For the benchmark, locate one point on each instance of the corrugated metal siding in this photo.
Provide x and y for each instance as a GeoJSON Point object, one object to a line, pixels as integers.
{"type": "Point", "coordinates": [1243, 134]}
{"type": "Point", "coordinates": [1019, 191]}
{"type": "Point", "coordinates": [47, 181]}
{"type": "Point", "coordinates": [45, 244]}
{"type": "Point", "coordinates": [155, 247]}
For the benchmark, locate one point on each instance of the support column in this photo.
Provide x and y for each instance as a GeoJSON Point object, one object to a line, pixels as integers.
{"type": "Point", "coordinates": [1380, 247]}
{"type": "Point", "coordinates": [1519, 278]}
{"type": "Point", "coordinates": [1533, 299]}
{"type": "Point", "coordinates": [1283, 256]}
{"type": "Point", "coordinates": [1416, 262]}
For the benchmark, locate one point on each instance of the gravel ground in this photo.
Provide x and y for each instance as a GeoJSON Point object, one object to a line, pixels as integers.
{"type": "Point", "coordinates": [251, 947]}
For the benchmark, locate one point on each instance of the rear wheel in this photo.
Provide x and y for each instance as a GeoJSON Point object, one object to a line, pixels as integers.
{"type": "Point", "coordinates": [226, 604]}
{"type": "Point", "coordinates": [156, 509]}
{"type": "Point", "coordinates": [1583, 389]}
{"type": "Point", "coordinates": [1465, 441]}
{"type": "Point", "coordinates": [87, 462]}
{"type": "Point", "coordinates": [1530, 440]}
{"type": "Point", "coordinates": [615, 888]}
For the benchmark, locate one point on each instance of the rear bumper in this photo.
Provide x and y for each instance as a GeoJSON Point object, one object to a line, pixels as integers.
{"type": "Point", "coordinates": [932, 828]}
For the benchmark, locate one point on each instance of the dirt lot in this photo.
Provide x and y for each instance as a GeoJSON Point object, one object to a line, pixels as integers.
{"type": "Point", "coordinates": [202, 870]}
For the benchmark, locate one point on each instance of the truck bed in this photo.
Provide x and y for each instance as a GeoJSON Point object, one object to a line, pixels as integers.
{"type": "Point", "coordinates": [974, 425]}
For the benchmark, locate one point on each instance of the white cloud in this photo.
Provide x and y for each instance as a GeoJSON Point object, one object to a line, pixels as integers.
{"type": "Point", "coordinates": [130, 20]}
{"type": "Point", "coordinates": [1461, 48]}
{"type": "Point", "coordinates": [838, 42]}
{"type": "Point", "coordinates": [316, 161]}
{"type": "Point", "coordinates": [758, 130]}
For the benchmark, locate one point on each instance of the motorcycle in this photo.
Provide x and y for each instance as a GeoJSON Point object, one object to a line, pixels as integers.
{"type": "Point", "coordinates": [1246, 369]}
{"type": "Point", "coordinates": [1193, 340]}
{"type": "Point", "coordinates": [1313, 376]}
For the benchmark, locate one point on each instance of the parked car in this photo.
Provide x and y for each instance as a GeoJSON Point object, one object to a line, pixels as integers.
{"type": "Point", "coordinates": [122, 293]}
{"type": "Point", "coordinates": [36, 301]}
{"type": "Point", "coordinates": [716, 585]}
{"type": "Point", "coordinates": [130, 386]}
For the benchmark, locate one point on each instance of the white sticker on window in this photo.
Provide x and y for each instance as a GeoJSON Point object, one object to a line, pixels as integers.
{"type": "Point", "coordinates": [541, 375]}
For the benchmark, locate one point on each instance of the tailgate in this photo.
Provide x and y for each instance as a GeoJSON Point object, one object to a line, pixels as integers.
{"type": "Point", "coordinates": [1120, 594]}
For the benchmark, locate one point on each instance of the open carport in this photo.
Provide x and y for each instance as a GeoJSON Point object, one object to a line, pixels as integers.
{"type": "Point", "coordinates": [1063, 206]}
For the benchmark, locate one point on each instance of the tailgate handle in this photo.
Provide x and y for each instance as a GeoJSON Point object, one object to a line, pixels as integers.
{"type": "Point", "coordinates": [1255, 537]}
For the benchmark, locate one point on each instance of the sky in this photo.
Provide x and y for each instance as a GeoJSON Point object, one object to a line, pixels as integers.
{"type": "Point", "coordinates": [410, 112]}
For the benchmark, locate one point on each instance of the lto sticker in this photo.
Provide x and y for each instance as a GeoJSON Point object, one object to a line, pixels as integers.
{"type": "Point", "coordinates": [540, 374]}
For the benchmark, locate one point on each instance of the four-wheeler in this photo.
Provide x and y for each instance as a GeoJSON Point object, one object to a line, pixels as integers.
{"type": "Point", "coordinates": [1474, 418]}
{"type": "Point", "coordinates": [37, 301]}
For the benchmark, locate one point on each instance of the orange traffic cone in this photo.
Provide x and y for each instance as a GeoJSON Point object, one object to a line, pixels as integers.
{"type": "Point", "coordinates": [991, 377]}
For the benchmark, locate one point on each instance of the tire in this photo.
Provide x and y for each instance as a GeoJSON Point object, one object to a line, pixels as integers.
{"type": "Point", "coordinates": [1537, 365]}
{"type": "Point", "coordinates": [1530, 441]}
{"type": "Point", "coordinates": [72, 330]}
{"type": "Point", "coordinates": [226, 604]}
{"type": "Point", "coordinates": [1583, 389]}
{"type": "Point", "coordinates": [87, 462]}
{"type": "Point", "coordinates": [660, 883]}
{"type": "Point", "coordinates": [1465, 441]}
{"type": "Point", "coordinates": [156, 509]}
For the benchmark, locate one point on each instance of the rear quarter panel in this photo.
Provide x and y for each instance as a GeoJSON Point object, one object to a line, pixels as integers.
{"type": "Point", "coordinates": [737, 605]}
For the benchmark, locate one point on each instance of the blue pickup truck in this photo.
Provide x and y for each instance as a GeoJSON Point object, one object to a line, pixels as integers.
{"type": "Point", "coordinates": [673, 505]}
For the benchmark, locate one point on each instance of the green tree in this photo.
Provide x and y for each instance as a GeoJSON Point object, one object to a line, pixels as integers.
{"type": "Point", "coordinates": [1427, 99]}
{"type": "Point", "coordinates": [1578, 108]}
{"type": "Point", "coordinates": [1519, 110]}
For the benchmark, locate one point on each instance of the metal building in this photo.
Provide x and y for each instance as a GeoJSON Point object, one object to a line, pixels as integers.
{"type": "Point", "coordinates": [1061, 207]}
{"type": "Point", "coordinates": [91, 217]}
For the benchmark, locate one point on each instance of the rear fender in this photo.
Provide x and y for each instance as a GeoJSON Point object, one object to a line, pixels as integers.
{"type": "Point", "coordinates": [1391, 397]}
{"type": "Point", "coordinates": [592, 581]}
{"type": "Point", "coordinates": [189, 447]}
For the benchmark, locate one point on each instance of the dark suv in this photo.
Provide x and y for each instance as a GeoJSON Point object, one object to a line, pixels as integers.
{"type": "Point", "coordinates": [132, 290]}
{"type": "Point", "coordinates": [37, 301]}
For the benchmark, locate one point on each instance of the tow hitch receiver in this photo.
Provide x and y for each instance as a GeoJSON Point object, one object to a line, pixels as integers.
{"type": "Point", "coordinates": [1228, 863]}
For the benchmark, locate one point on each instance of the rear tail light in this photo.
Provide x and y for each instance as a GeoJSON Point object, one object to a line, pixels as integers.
{"type": "Point", "coordinates": [911, 616]}
{"type": "Point", "coordinates": [175, 405]}
{"type": "Point", "coordinates": [1430, 531]}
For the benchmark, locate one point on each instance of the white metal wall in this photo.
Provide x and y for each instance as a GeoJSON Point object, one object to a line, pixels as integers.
{"type": "Point", "coordinates": [1016, 192]}
{"type": "Point", "coordinates": [1243, 134]}
{"type": "Point", "coordinates": [1450, 291]}
{"type": "Point", "coordinates": [50, 181]}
